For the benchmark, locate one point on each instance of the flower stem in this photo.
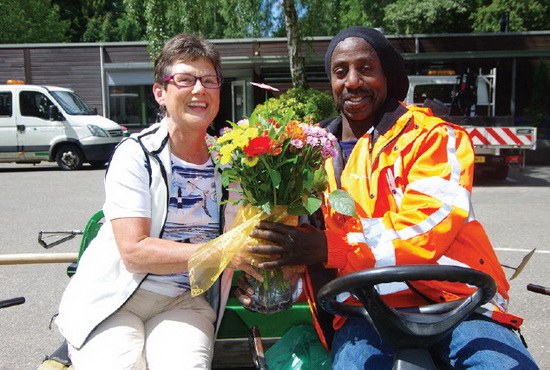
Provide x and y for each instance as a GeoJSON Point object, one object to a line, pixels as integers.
{"type": "Point", "coordinates": [272, 180]}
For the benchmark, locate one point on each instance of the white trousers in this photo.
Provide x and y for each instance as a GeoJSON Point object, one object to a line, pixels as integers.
{"type": "Point", "coordinates": [151, 331]}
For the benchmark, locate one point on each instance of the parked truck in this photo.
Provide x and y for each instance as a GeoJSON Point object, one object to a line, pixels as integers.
{"type": "Point", "coordinates": [48, 123]}
{"type": "Point", "coordinates": [469, 100]}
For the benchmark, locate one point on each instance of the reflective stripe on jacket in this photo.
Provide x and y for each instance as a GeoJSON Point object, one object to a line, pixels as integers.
{"type": "Point", "coordinates": [412, 189]}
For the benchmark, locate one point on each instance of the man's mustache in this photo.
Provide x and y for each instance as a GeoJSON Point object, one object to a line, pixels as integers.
{"type": "Point", "coordinates": [354, 92]}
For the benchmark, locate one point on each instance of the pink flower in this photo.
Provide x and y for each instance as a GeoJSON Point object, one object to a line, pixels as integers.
{"type": "Point", "coordinates": [297, 143]}
{"type": "Point", "coordinates": [264, 86]}
{"type": "Point", "coordinates": [329, 152]}
{"type": "Point", "coordinates": [312, 140]}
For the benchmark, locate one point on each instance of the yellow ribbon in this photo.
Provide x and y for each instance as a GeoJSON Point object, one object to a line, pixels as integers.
{"type": "Point", "coordinates": [209, 261]}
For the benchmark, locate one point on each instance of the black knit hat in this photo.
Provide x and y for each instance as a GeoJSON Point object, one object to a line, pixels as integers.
{"type": "Point", "coordinates": [391, 61]}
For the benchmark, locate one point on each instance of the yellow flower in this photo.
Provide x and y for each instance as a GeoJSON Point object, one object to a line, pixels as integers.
{"type": "Point", "coordinates": [251, 133]}
{"type": "Point", "coordinates": [226, 152]}
{"type": "Point", "coordinates": [229, 135]}
{"type": "Point", "coordinates": [251, 161]}
{"type": "Point", "coordinates": [241, 138]}
{"type": "Point", "coordinates": [241, 141]}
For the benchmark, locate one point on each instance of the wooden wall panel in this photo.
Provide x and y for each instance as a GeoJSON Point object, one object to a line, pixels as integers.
{"type": "Point", "coordinates": [236, 49]}
{"type": "Point", "coordinates": [12, 62]}
{"type": "Point", "coordinates": [127, 54]}
{"type": "Point", "coordinates": [77, 68]}
{"type": "Point", "coordinates": [273, 48]}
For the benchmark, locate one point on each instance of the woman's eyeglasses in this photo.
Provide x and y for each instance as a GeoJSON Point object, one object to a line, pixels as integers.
{"type": "Point", "coordinates": [187, 80]}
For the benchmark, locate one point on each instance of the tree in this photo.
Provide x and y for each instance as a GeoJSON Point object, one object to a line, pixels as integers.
{"type": "Point", "coordinates": [122, 20]}
{"type": "Point", "coordinates": [297, 68]}
{"type": "Point", "coordinates": [211, 19]}
{"type": "Point", "coordinates": [524, 15]}
{"type": "Point", "coordinates": [131, 25]}
{"type": "Point", "coordinates": [246, 18]}
{"type": "Point", "coordinates": [31, 21]}
{"type": "Point", "coordinates": [429, 16]}
{"type": "Point", "coordinates": [157, 34]}
{"type": "Point", "coordinates": [72, 11]}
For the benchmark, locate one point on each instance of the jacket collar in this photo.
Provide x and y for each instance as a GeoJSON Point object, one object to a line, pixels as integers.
{"type": "Point", "coordinates": [389, 113]}
{"type": "Point", "coordinates": [155, 138]}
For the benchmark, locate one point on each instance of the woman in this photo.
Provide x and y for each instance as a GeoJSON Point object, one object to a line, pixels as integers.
{"type": "Point", "coordinates": [129, 304]}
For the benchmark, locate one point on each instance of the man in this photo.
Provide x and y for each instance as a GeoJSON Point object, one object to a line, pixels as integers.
{"type": "Point", "coordinates": [410, 175]}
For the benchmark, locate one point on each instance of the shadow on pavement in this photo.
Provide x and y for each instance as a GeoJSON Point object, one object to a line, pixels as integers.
{"type": "Point", "coordinates": [529, 176]}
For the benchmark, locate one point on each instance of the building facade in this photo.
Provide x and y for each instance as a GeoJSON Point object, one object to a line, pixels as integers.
{"type": "Point", "coordinates": [116, 78]}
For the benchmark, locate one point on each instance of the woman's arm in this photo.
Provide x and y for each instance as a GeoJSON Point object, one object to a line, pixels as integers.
{"type": "Point", "coordinates": [144, 254]}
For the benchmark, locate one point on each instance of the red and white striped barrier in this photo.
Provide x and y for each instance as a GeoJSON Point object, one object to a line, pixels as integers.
{"type": "Point", "coordinates": [509, 137]}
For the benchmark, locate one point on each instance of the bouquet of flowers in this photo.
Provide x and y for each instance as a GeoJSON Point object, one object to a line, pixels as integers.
{"type": "Point", "coordinates": [278, 163]}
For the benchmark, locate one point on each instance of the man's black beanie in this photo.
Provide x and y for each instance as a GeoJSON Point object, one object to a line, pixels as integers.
{"type": "Point", "coordinates": [391, 61]}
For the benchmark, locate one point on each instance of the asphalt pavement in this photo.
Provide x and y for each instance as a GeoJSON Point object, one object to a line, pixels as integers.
{"type": "Point", "coordinates": [515, 213]}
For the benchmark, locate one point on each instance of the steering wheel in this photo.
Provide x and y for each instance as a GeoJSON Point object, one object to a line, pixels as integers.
{"type": "Point", "coordinates": [415, 327]}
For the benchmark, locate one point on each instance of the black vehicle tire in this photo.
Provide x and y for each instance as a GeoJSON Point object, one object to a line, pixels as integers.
{"type": "Point", "coordinates": [97, 164]}
{"type": "Point", "coordinates": [500, 172]}
{"type": "Point", "coordinates": [69, 157]}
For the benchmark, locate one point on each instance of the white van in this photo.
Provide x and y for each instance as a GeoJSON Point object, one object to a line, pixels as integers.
{"type": "Point", "coordinates": [47, 123]}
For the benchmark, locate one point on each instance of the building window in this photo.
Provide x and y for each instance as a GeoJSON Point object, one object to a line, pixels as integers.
{"type": "Point", "coordinates": [132, 105]}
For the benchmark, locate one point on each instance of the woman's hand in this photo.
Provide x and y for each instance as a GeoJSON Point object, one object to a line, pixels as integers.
{"type": "Point", "coordinates": [246, 263]}
{"type": "Point", "coordinates": [244, 291]}
{"type": "Point", "coordinates": [292, 245]}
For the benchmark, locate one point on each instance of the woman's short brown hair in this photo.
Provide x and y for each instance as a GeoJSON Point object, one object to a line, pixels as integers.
{"type": "Point", "coordinates": [184, 48]}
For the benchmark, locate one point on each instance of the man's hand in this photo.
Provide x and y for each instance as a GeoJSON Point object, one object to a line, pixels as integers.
{"type": "Point", "coordinates": [292, 245]}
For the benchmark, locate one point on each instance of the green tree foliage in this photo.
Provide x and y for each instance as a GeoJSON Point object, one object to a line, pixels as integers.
{"type": "Point", "coordinates": [524, 15]}
{"type": "Point", "coordinates": [31, 21]}
{"type": "Point", "coordinates": [245, 18]}
{"type": "Point", "coordinates": [427, 16]}
{"type": "Point", "coordinates": [132, 26]}
{"type": "Point", "coordinates": [327, 18]}
{"type": "Point", "coordinates": [155, 17]}
{"type": "Point", "coordinates": [122, 20]}
{"type": "Point", "coordinates": [72, 11]}
{"type": "Point", "coordinates": [216, 19]}
{"type": "Point", "coordinates": [132, 20]}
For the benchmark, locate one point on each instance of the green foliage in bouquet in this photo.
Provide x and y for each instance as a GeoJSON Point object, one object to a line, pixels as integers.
{"type": "Point", "coordinates": [304, 104]}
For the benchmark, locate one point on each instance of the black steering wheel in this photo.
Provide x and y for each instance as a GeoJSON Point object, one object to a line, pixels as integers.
{"type": "Point", "coordinates": [415, 327]}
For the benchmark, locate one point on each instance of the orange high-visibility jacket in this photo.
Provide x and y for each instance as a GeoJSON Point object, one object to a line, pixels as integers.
{"type": "Point", "coordinates": [412, 190]}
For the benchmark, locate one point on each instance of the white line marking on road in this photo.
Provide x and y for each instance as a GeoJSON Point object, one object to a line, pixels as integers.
{"type": "Point", "coordinates": [519, 250]}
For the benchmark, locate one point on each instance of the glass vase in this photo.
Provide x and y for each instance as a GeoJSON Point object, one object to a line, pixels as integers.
{"type": "Point", "coordinates": [280, 288]}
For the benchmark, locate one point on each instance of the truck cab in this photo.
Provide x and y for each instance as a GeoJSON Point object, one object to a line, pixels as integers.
{"type": "Point", "coordinates": [49, 123]}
